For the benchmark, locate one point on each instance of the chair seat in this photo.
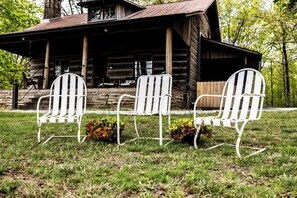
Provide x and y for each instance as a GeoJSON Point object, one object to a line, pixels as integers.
{"type": "Point", "coordinates": [58, 119]}
{"type": "Point", "coordinates": [215, 121]}
{"type": "Point", "coordinates": [132, 113]}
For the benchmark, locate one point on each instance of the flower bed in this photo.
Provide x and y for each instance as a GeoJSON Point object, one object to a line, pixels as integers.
{"type": "Point", "coordinates": [103, 129]}
{"type": "Point", "coordinates": [184, 130]}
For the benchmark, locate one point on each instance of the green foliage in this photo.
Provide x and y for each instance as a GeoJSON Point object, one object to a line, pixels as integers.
{"type": "Point", "coordinates": [270, 29]}
{"type": "Point", "coordinates": [286, 5]}
{"type": "Point", "coordinates": [104, 129]}
{"type": "Point", "coordinates": [15, 15]}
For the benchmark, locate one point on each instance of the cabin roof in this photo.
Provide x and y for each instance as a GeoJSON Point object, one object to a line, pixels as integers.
{"type": "Point", "coordinates": [185, 7]}
{"type": "Point", "coordinates": [85, 3]}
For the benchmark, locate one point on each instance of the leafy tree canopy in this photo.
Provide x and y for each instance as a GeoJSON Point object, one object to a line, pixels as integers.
{"type": "Point", "coordinates": [287, 5]}
{"type": "Point", "coordinates": [15, 15]}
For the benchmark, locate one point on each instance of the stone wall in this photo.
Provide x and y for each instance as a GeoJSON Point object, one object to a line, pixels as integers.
{"type": "Point", "coordinates": [99, 98]}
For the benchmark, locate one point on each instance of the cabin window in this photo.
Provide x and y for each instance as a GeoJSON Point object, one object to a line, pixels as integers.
{"type": "Point", "coordinates": [61, 67]}
{"type": "Point", "coordinates": [100, 13]}
{"type": "Point", "coordinates": [143, 65]}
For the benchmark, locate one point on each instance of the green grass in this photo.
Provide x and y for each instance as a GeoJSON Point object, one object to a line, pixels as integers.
{"type": "Point", "coordinates": [64, 168]}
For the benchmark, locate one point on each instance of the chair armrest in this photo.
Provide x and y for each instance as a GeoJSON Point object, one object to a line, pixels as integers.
{"type": "Point", "coordinates": [205, 95]}
{"type": "Point", "coordinates": [120, 100]}
{"type": "Point", "coordinates": [202, 96]}
{"type": "Point", "coordinates": [38, 104]}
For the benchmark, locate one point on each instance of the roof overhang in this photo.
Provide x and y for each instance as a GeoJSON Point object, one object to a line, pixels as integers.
{"type": "Point", "coordinates": [19, 42]}
{"type": "Point", "coordinates": [232, 51]}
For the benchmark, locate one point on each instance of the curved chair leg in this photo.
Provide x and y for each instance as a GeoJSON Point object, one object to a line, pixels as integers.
{"type": "Point", "coordinates": [237, 145]}
{"type": "Point", "coordinates": [160, 129]}
{"type": "Point", "coordinates": [135, 126]}
{"type": "Point", "coordinates": [196, 135]}
{"type": "Point", "coordinates": [39, 128]}
{"type": "Point", "coordinates": [78, 132]}
{"type": "Point", "coordinates": [118, 130]}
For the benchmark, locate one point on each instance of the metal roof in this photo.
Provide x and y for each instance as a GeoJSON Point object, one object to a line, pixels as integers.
{"type": "Point", "coordinates": [184, 7]}
{"type": "Point", "coordinates": [67, 21]}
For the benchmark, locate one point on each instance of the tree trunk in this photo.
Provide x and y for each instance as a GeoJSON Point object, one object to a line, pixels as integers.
{"type": "Point", "coordinates": [271, 85]}
{"type": "Point", "coordinates": [286, 67]}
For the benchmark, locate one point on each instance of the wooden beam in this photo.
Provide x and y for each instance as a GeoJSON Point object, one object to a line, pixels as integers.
{"type": "Point", "coordinates": [169, 50]}
{"type": "Point", "coordinates": [46, 66]}
{"type": "Point", "coordinates": [85, 58]}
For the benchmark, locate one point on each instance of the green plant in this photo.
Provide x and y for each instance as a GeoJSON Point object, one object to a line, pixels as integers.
{"type": "Point", "coordinates": [183, 129]}
{"type": "Point", "coordinates": [104, 129]}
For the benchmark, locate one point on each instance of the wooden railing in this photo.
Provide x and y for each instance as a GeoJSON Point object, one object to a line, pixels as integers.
{"type": "Point", "coordinates": [213, 87]}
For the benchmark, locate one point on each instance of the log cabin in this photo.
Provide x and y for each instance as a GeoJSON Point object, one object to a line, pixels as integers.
{"type": "Point", "coordinates": [116, 41]}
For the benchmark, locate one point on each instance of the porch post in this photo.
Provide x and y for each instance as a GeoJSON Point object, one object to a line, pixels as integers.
{"type": "Point", "coordinates": [85, 58]}
{"type": "Point", "coordinates": [169, 50]}
{"type": "Point", "coordinates": [46, 66]}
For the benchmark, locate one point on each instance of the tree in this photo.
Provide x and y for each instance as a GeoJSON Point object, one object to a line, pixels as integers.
{"type": "Point", "coordinates": [282, 23]}
{"type": "Point", "coordinates": [270, 30]}
{"type": "Point", "coordinates": [15, 15]}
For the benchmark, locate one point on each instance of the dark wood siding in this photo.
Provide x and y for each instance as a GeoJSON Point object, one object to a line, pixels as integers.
{"type": "Point", "coordinates": [37, 65]}
{"type": "Point", "coordinates": [193, 71]}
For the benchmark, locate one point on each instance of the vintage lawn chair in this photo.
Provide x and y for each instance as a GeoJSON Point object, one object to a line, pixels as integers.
{"type": "Point", "coordinates": [153, 97]}
{"type": "Point", "coordinates": [241, 101]}
{"type": "Point", "coordinates": [67, 103]}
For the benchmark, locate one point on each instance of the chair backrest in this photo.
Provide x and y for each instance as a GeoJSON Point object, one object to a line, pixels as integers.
{"type": "Point", "coordinates": [244, 81]}
{"type": "Point", "coordinates": [149, 91]}
{"type": "Point", "coordinates": [66, 92]}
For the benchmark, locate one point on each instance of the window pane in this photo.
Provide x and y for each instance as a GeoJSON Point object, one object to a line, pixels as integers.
{"type": "Point", "coordinates": [109, 12]}
{"type": "Point", "coordinates": [96, 14]}
{"type": "Point", "coordinates": [143, 65]}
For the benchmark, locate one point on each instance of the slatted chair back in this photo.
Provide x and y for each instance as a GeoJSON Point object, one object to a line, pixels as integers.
{"type": "Point", "coordinates": [66, 92]}
{"type": "Point", "coordinates": [149, 92]}
{"type": "Point", "coordinates": [241, 101]}
{"type": "Point", "coordinates": [67, 103]}
{"type": "Point", "coordinates": [246, 83]}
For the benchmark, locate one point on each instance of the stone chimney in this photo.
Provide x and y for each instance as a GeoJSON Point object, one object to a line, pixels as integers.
{"type": "Point", "coordinates": [52, 9]}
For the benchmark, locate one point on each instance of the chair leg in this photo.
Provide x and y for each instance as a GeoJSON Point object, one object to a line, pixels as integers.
{"type": "Point", "coordinates": [118, 130]}
{"type": "Point", "coordinates": [135, 126]}
{"type": "Point", "coordinates": [237, 145]}
{"type": "Point", "coordinates": [196, 135]}
{"type": "Point", "coordinates": [240, 131]}
{"type": "Point", "coordinates": [160, 129]}
{"type": "Point", "coordinates": [39, 128]}
{"type": "Point", "coordinates": [78, 132]}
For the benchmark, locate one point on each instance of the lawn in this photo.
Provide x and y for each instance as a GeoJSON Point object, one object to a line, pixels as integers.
{"type": "Point", "coordinates": [64, 168]}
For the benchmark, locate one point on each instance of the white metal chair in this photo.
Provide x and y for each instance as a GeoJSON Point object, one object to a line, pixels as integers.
{"type": "Point", "coordinates": [67, 103]}
{"type": "Point", "coordinates": [153, 97]}
{"type": "Point", "coordinates": [241, 101]}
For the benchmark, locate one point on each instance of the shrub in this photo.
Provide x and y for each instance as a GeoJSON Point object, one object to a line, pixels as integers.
{"type": "Point", "coordinates": [184, 130]}
{"type": "Point", "coordinates": [104, 129]}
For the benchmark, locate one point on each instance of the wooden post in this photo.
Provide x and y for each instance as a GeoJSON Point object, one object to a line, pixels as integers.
{"type": "Point", "coordinates": [46, 66]}
{"type": "Point", "coordinates": [169, 50]}
{"type": "Point", "coordinates": [85, 58]}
